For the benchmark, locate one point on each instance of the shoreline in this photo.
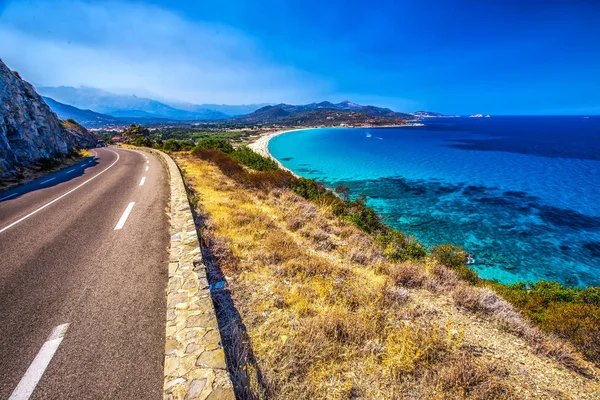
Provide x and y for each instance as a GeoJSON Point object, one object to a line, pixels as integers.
{"type": "Point", "coordinates": [261, 145]}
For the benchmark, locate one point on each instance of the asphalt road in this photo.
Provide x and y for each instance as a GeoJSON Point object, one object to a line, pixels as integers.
{"type": "Point", "coordinates": [63, 262]}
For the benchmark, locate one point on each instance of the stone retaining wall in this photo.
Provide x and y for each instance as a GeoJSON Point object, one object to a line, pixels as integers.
{"type": "Point", "coordinates": [194, 359]}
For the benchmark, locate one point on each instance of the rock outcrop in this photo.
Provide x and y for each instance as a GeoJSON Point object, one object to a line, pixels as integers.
{"type": "Point", "coordinates": [29, 130]}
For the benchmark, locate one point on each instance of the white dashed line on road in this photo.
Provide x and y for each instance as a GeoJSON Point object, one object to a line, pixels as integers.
{"type": "Point", "coordinates": [124, 217]}
{"type": "Point", "coordinates": [147, 168]}
{"type": "Point", "coordinates": [47, 180]}
{"type": "Point", "coordinates": [68, 172]}
{"type": "Point", "coordinates": [142, 181]}
{"type": "Point", "coordinates": [41, 361]}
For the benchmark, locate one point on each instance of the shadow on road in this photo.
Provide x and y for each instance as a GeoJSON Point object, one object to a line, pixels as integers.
{"type": "Point", "coordinates": [64, 175]}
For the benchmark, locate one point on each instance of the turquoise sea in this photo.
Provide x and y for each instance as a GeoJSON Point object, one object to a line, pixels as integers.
{"type": "Point", "coordinates": [521, 194]}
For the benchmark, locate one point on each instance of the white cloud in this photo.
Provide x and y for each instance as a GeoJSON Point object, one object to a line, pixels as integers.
{"type": "Point", "coordinates": [145, 50]}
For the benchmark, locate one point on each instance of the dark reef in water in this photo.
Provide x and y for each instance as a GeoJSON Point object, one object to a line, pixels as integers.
{"type": "Point", "coordinates": [593, 248]}
{"type": "Point", "coordinates": [568, 218]}
{"type": "Point", "coordinates": [509, 231]}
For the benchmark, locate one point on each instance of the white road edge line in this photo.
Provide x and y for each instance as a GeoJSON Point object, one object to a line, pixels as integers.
{"type": "Point", "coordinates": [41, 361]}
{"type": "Point", "coordinates": [9, 196]}
{"type": "Point", "coordinates": [147, 168]}
{"type": "Point", "coordinates": [61, 196]}
{"type": "Point", "coordinates": [124, 217]}
{"type": "Point", "coordinates": [142, 181]}
{"type": "Point", "coordinates": [47, 180]}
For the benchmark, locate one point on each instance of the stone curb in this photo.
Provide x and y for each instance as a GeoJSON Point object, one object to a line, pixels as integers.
{"type": "Point", "coordinates": [194, 359]}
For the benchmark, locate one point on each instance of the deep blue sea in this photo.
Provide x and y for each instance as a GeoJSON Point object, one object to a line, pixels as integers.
{"type": "Point", "coordinates": [521, 194]}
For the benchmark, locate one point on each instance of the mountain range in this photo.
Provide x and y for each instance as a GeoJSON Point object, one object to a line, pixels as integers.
{"type": "Point", "coordinates": [87, 118]}
{"type": "Point", "coordinates": [96, 108]}
{"type": "Point", "coordinates": [132, 106]}
{"type": "Point", "coordinates": [324, 113]}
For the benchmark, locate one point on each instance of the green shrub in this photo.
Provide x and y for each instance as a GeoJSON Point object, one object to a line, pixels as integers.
{"type": "Point", "coordinates": [364, 217]}
{"type": "Point", "coordinates": [213, 143]}
{"type": "Point", "coordinates": [455, 257]}
{"type": "Point", "coordinates": [245, 156]}
{"type": "Point", "coordinates": [449, 255]}
{"type": "Point", "coordinates": [172, 145]}
{"type": "Point", "coordinates": [265, 180]}
{"type": "Point", "coordinates": [308, 188]}
{"type": "Point", "coordinates": [400, 247]}
{"type": "Point", "coordinates": [142, 141]}
{"type": "Point", "coordinates": [569, 312]}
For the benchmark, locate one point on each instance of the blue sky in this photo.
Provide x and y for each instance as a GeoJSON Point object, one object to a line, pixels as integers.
{"type": "Point", "coordinates": [456, 57]}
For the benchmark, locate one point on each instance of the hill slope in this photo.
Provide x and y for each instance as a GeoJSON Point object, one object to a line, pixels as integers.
{"type": "Point", "coordinates": [324, 113]}
{"type": "Point", "coordinates": [85, 117]}
{"type": "Point", "coordinates": [312, 307]}
{"type": "Point", "coordinates": [228, 110]}
{"type": "Point", "coordinates": [29, 130]}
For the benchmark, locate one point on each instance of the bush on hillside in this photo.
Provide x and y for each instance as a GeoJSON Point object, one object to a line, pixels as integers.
{"type": "Point", "coordinates": [142, 141]}
{"type": "Point", "coordinates": [171, 145]}
{"type": "Point", "coordinates": [213, 143]}
{"type": "Point", "coordinates": [570, 313]}
{"type": "Point", "coordinates": [253, 160]}
{"type": "Point", "coordinates": [455, 257]}
{"type": "Point", "coordinates": [400, 247]}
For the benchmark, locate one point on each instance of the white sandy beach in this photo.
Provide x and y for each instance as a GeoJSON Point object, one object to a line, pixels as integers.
{"type": "Point", "coordinates": [261, 146]}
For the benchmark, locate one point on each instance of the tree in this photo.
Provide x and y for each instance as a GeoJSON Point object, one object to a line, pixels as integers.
{"type": "Point", "coordinates": [141, 140]}
{"type": "Point", "coordinates": [130, 134]}
{"type": "Point", "coordinates": [171, 145]}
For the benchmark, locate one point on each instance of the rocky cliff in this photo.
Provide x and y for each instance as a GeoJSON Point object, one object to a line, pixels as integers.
{"type": "Point", "coordinates": [29, 130]}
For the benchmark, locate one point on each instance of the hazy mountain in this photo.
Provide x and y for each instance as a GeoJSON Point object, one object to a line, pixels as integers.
{"type": "Point", "coordinates": [230, 110]}
{"type": "Point", "coordinates": [124, 106]}
{"type": "Point", "coordinates": [323, 113]}
{"type": "Point", "coordinates": [86, 118]}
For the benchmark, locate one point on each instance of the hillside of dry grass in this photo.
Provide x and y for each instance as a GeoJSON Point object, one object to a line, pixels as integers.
{"type": "Point", "coordinates": [309, 306]}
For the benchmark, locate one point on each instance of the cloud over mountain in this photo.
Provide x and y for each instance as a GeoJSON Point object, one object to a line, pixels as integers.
{"type": "Point", "coordinates": [147, 50]}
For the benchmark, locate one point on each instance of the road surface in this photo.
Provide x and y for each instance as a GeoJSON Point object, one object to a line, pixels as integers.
{"type": "Point", "coordinates": [83, 273]}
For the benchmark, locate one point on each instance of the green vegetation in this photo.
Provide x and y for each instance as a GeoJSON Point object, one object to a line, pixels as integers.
{"type": "Point", "coordinates": [245, 156]}
{"type": "Point", "coordinates": [215, 143]}
{"type": "Point", "coordinates": [73, 125]}
{"type": "Point", "coordinates": [197, 134]}
{"type": "Point", "coordinates": [319, 288]}
{"type": "Point", "coordinates": [142, 141]}
{"type": "Point", "coordinates": [570, 313]}
{"type": "Point", "coordinates": [455, 257]}
{"type": "Point", "coordinates": [133, 131]}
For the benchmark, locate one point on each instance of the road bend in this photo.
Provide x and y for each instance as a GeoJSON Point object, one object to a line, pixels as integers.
{"type": "Point", "coordinates": [83, 256]}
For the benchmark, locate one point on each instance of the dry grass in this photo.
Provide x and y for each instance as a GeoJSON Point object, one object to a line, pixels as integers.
{"type": "Point", "coordinates": [325, 315]}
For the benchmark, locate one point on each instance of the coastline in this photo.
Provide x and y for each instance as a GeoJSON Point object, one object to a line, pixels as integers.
{"type": "Point", "coordinates": [261, 145]}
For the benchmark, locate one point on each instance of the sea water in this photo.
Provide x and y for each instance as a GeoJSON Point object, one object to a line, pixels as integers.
{"type": "Point", "coordinates": [521, 194]}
